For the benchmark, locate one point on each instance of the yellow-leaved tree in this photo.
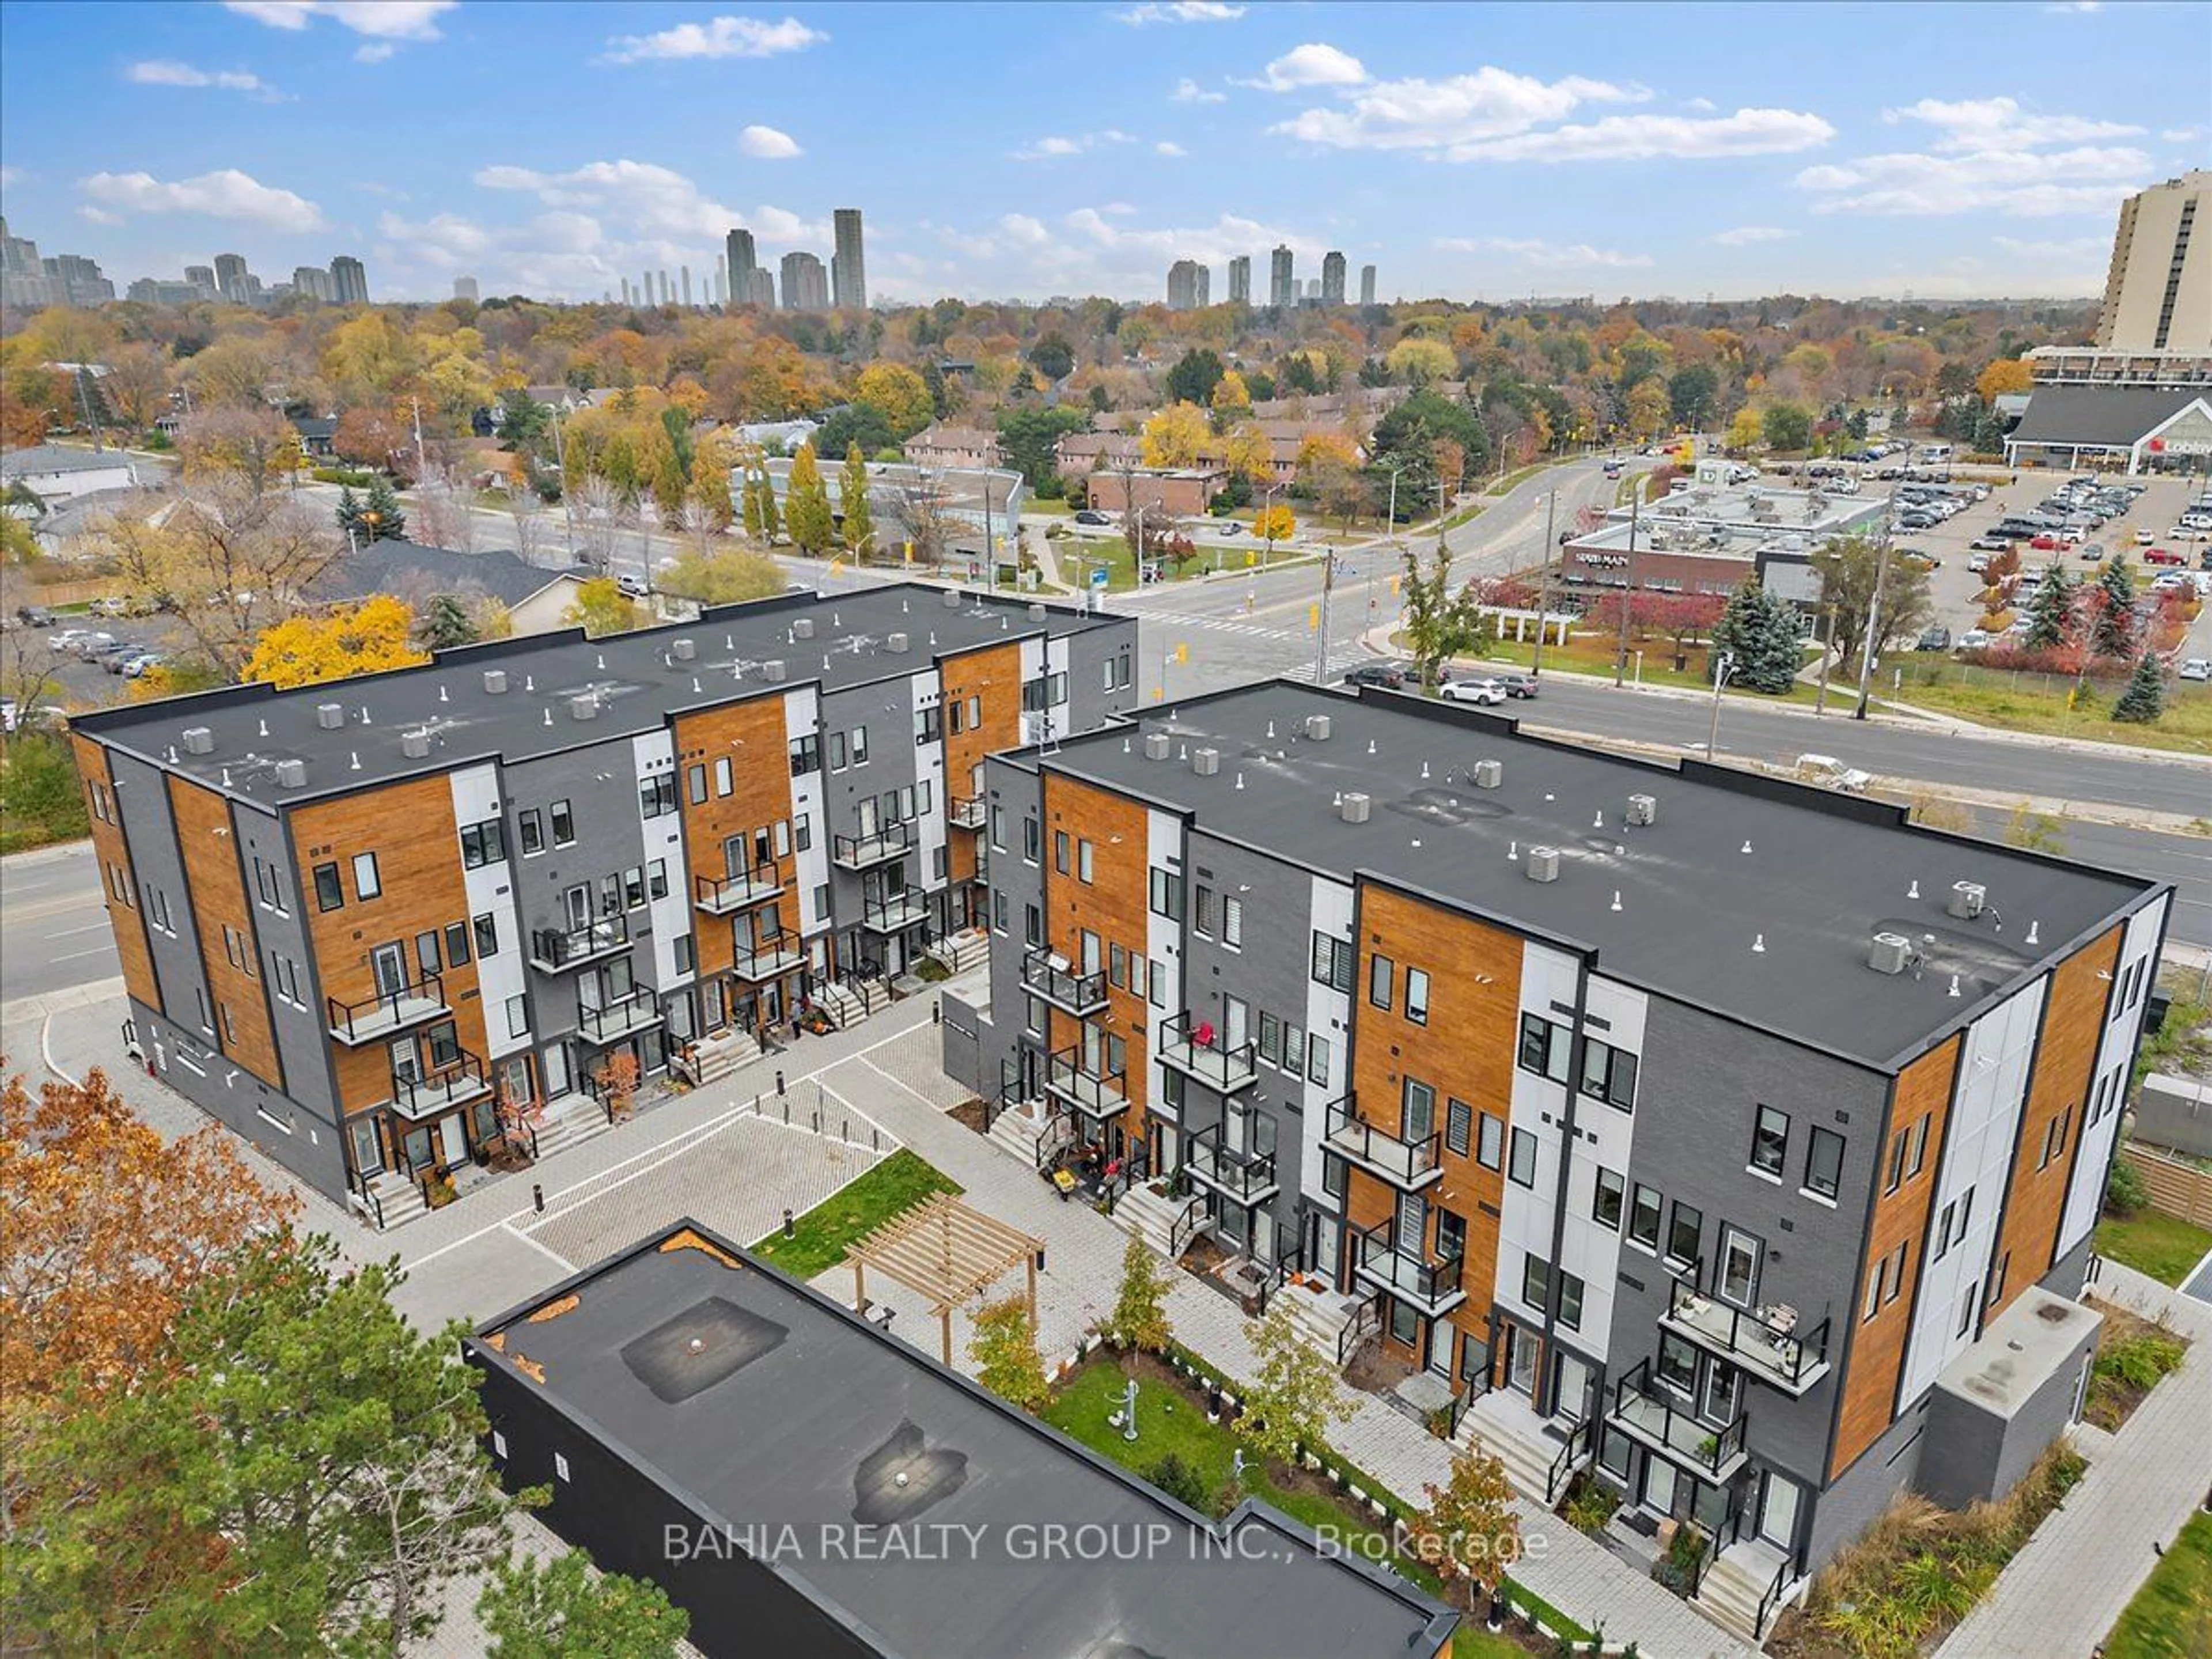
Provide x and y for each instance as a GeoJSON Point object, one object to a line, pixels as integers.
{"type": "Point", "coordinates": [335, 645]}
{"type": "Point", "coordinates": [1172, 437]}
{"type": "Point", "coordinates": [2005, 374]}
{"type": "Point", "coordinates": [1746, 429]}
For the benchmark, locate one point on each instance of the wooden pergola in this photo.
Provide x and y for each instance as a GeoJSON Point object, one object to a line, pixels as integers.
{"type": "Point", "coordinates": [946, 1251]}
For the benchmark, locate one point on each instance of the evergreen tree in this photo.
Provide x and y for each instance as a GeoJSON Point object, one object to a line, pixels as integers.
{"type": "Point", "coordinates": [381, 515]}
{"type": "Point", "coordinates": [807, 504]}
{"type": "Point", "coordinates": [2116, 611]}
{"type": "Point", "coordinates": [562, 1609]}
{"type": "Point", "coordinates": [2051, 616]}
{"type": "Point", "coordinates": [445, 622]}
{"type": "Point", "coordinates": [1760, 632]}
{"type": "Point", "coordinates": [2144, 699]}
{"type": "Point", "coordinates": [348, 512]}
{"type": "Point", "coordinates": [859, 524]}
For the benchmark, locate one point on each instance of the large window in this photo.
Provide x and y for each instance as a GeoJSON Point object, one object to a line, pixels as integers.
{"type": "Point", "coordinates": [1824, 1163]}
{"type": "Point", "coordinates": [1535, 1280]}
{"type": "Point", "coordinates": [1611, 1195]}
{"type": "Point", "coordinates": [1167, 894]}
{"type": "Point", "coordinates": [1545, 1046]}
{"type": "Point", "coordinates": [1770, 1140]}
{"type": "Point", "coordinates": [1332, 960]}
{"type": "Point", "coordinates": [1524, 1171]}
{"type": "Point", "coordinates": [1678, 1363]}
{"type": "Point", "coordinates": [1686, 1227]}
{"type": "Point", "coordinates": [1608, 1073]}
{"type": "Point", "coordinates": [1381, 976]}
{"type": "Point", "coordinates": [481, 844]}
{"type": "Point", "coordinates": [532, 822]}
{"type": "Point", "coordinates": [328, 895]}
{"type": "Point", "coordinates": [656, 795]}
{"type": "Point", "coordinates": [1644, 1217]}
{"type": "Point", "coordinates": [564, 823]}
{"type": "Point", "coordinates": [1417, 996]}
{"type": "Point", "coordinates": [366, 883]}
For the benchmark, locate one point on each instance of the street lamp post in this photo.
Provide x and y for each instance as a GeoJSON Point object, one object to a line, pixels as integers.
{"type": "Point", "coordinates": [1723, 666]}
{"type": "Point", "coordinates": [1628, 592]}
{"type": "Point", "coordinates": [1543, 586]}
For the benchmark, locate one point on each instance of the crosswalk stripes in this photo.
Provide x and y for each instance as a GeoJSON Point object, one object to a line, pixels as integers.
{"type": "Point", "coordinates": [1224, 625]}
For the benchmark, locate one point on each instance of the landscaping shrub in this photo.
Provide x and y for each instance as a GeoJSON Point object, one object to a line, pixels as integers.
{"type": "Point", "coordinates": [351, 477]}
{"type": "Point", "coordinates": [2124, 1192]}
{"type": "Point", "coordinates": [1183, 1483]}
{"type": "Point", "coordinates": [2138, 1362]}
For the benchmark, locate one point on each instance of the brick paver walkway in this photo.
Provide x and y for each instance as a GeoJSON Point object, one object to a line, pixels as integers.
{"type": "Point", "coordinates": [2063, 1592]}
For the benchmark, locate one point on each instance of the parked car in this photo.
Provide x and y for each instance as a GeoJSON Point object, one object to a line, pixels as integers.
{"type": "Point", "coordinates": [1387, 675]}
{"type": "Point", "coordinates": [2162, 556]}
{"type": "Point", "coordinates": [1974, 639]}
{"type": "Point", "coordinates": [1918, 559]}
{"type": "Point", "coordinates": [2046, 543]}
{"type": "Point", "coordinates": [137, 666]}
{"type": "Point", "coordinates": [2091, 552]}
{"type": "Point", "coordinates": [88, 644]}
{"type": "Point", "coordinates": [1518, 686]}
{"type": "Point", "coordinates": [1093, 515]}
{"type": "Point", "coordinates": [1485, 691]}
{"type": "Point", "coordinates": [1937, 638]}
{"type": "Point", "coordinates": [34, 615]}
{"type": "Point", "coordinates": [1230, 527]}
{"type": "Point", "coordinates": [1831, 774]}
{"type": "Point", "coordinates": [2197, 668]}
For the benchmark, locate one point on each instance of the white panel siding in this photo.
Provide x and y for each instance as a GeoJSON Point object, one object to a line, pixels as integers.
{"type": "Point", "coordinates": [2085, 1189]}
{"type": "Point", "coordinates": [1986, 1103]}
{"type": "Point", "coordinates": [1525, 1225]}
{"type": "Point", "coordinates": [655, 755]}
{"type": "Point", "coordinates": [490, 888]}
{"type": "Point", "coordinates": [802, 717]}
{"type": "Point", "coordinates": [1588, 1249]}
{"type": "Point", "coordinates": [927, 691]}
{"type": "Point", "coordinates": [1328, 1015]}
{"type": "Point", "coordinates": [1163, 850]}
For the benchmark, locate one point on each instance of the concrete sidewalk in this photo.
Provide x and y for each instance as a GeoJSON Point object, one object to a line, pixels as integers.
{"type": "Point", "coordinates": [2063, 1591]}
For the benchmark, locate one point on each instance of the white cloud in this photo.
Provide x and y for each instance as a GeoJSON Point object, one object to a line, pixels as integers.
{"type": "Point", "coordinates": [1703, 105]}
{"type": "Point", "coordinates": [2177, 134]}
{"type": "Point", "coordinates": [1983, 123]}
{"type": "Point", "coordinates": [164, 72]}
{"type": "Point", "coordinates": [1422, 114]}
{"type": "Point", "coordinates": [99, 215]}
{"type": "Point", "coordinates": [1179, 11]}
{"type": "Point", "coordinates": [1030, 233]}
{"type": "Point", "coordinates": [1057, 147]}
{"type": "Point", "coordinates": [1538, 254]}
{"type": "Point", "coordinates": [2074, 8]}
{"type": "Point", "coordinates": [1169, 148]}
{"type": "Point", "coordinates": [375, 52]}
{"type": "Point", "coordinates": [650, 203]}
{"type": "Point", "coordinates": [1313, 64]}
{"type": "Point", "coordinates": [1745, 235]}
{"type": "Point", "coordinates": [719, 37]}
{"type": "Point", "coordinates": [228, 194]}
{"type": "Point", "coordinates": [1644, 137]}
{"type": "Point", "coordinates": [11, 175]}
{"type": "Point", "coordinates": [382, 20]}
{"type": "Point", "coordinates": [1187, 91]}
{"type": "Point", "coordinates": [767, 144]}
{"type": "Point", "coordinates": [2023, 184]}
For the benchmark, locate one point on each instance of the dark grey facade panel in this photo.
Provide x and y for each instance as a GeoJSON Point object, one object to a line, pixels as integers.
{"type": "Point", "coordinates": [149, 829]}
{"type": "Point", "coordinates": [234, 1097]}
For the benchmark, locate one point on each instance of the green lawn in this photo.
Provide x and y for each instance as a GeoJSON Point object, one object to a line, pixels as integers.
{"type": "Point", "coordinates": [1591, 653]}
{"type": "Point", "coordinates": [2171, 1616]}
{"type": "Point", "coordinates": [2022, 703]}
{"type": "Point", "coordinates": [1473, 1642]}
{"type": "Point", "coordinates": [2164, 1246]}
{"type": "Point", "coordinates": [818, 1238]}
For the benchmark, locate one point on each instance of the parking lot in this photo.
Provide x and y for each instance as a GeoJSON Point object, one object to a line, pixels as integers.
{"type": "Point", "coordinates": [84, 684]}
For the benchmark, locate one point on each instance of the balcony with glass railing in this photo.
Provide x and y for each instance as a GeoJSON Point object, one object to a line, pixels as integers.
{"type": "Point", "coordinates": [557, 949]}
{"type": "Point", "coordinates": [1069, 1078]}
{"type": "Point", "coordinates": [896, 911]}
{"type": "Point", "coordinates": [1406, 1164]}
{"type": "Point", "coordinates": [610, 1022]}
{"type": "Point", "coordinates": [1244, 1177]}
{"type": "Point", "coordinates": [1662, 1420]}
{"type": "Point", "coordinates": [1198, 1050]}
{"type": "Point", "coordinates": [891, 841]}
{"type": "Point", "coordinates": [763, 955]}
{"type": "Point", "coordinates": [1048, 974]}
{"type": "Point", "coordinates": [409, 1003]}
{"type": "Point", "coordinates": [718, 895]}
{"type": "Point", "coordinates": [1432, 1287]}
{"type": "Point", "coordinates": [967, 811]}
{"type": "Point", "coordinates": [1764, 1342]}
{"type": "Point", "coordinates": [455, 1082]}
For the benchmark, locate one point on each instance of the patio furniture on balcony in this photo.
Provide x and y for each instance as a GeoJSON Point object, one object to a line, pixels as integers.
{"type": "Point", "coordinates": [1764, 1341]}
{"type": "Point", "coordinates": [1048, 974]}
{"type": "Point", "coordinates": [1408, 1165]}
{"type": "Point", "coordinates": [556, 948]}
{"type": "Point", "coordinates": [1663, 1420]}
{"type": "Point", "coordinates": [1196, 1049]}
{"type": "Point", "coordinates": [1246, 1178]}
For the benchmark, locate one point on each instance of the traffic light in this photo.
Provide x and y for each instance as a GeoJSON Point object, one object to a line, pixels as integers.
{"type": "Point", "coordinates": [1394, 581]}
{"type": "Point", "coordinates": [1313, 617]}
{"type": "Point", "coordinates": [1183, 653]}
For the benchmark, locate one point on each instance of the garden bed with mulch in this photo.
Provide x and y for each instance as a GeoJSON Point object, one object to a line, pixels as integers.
{"type": "Point", "coordinates": [969, 1114]}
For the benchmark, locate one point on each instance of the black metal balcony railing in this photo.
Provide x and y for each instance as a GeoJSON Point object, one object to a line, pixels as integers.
{"type": "Point", "coordinates": [967, 811]}
{"type": "Point", "coordinates": [1049, 976]}
{"type": "Point", "coordinates": [759, 956]}
{"type": "Point", "coordinates": [1198, 1050]}
{"type": "Point", "coordinates": [1764, 1342]}
{"type": "Point", "coordinates": [1432, 1287]}
{"type": "Point", "coordinates": [895, 911]}
{"type": "Point", "coordinates": [719, 895]}
{"type": "Point", "coordinates": [610, 1022]}
{"type": "Point", "coordinates": [862, 851]}
{"type": "Point", "coordinates": [450, 1084]}
{"type": "Point", "coordinates": [1244, 1177]}
{"type": "Point", "coordinates": [1098, 1094]}
{"type": "Point", "coordinates": [416, 999]}
{"type": "Point", "coordinates": [557, 948]}
{"type": "Point", "coordinates": [1659, 1418]}
{"type": "Point", "coordinates": [1410, 1164]}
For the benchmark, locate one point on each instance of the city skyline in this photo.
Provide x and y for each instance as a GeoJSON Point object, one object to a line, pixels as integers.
{"type": "Point", "coordinates": [1544, 158]}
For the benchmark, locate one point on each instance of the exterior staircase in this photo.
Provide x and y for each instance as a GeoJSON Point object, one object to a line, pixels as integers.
{"type": "Point", "coordinates": [399, 1199]}
{"type": "Point", "coordinates": [569, 1122]}
{"type": "Point", "coordinates": [1503, 1424]}
{"type": "Point", "coordinates": [970, 948]}
{"type": "Point", "coordinates": [1734, 1584]}
{"type": "Point", "coordinates": [844, 1004]}
{"type": "Point", "coordinates": [1320, 1315]}
{"type": "Point", "coordinates": [712, 1059]}
{"type": "Point", "coordinates": [1154, 1218]}
{"type": "Point", "coordinates": [1016, 1129]}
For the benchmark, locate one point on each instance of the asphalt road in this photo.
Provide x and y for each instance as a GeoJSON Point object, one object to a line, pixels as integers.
{"type": "Point", "coordinates": [53, 924]}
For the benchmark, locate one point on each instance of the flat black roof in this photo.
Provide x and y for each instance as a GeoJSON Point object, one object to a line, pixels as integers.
{"type": "Point", "coordinates": [1753, 896]}
{"type": "Point", "coordinates": [634, 681]}
{"type": "Point", "coordinates": [792, 1413]}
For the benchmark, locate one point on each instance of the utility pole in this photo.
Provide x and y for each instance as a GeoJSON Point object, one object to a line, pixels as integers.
{"type": "Point", "coordinates": [1874, 605]}
{"type": "Point", "coordinates": [1827, 651]}
{"type": "Point", "coordinates": [568, 502]}
{"type": "Point", "coordinates": [1628, 593]}
{"type": "Point", "coordinates": [421, 461]}
{"type": "Point", "coordinates": [1321, 641]}
{"type": "Point", "coordinates": [1723, 664]}
{"type": "Point", "coordinates": [1543, 586]}
{"type": "Point", "coordinates": [84, 402]}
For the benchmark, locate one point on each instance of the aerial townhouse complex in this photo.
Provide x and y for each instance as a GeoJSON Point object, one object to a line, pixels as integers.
{"type": "Point", "coordinates": [1739, 1140]}
{"type": "Point", "coordinates": [373, 925]}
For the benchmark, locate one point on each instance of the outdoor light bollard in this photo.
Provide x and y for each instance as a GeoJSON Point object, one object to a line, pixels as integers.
{"type": "Point", "coordinates": [779, 1083]}
{"type": "Point", "coordinates": [538, 1197]}
{"type": "Point", "coordinates": [787, 1223]}
{"type": "Point", "coordinates": [1129, 1411]}
{"type": "Point", "coordinates": [936, 1013]}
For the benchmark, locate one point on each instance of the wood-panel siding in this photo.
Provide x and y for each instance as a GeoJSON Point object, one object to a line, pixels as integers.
{"type": "Point", "coordinates": [753, 735]}
{"type": "Point", "coordinates": [993, 676]}
{"type": "Point", "coordinates": [1868, 1395]}
{"type": "Point", "coordinates": [1464, 1052]}
{"type": "Point", "coordinates": [126, 921]}
{"type": "Point", "coordinates": [410, 827]}
{"type": "Point", "coordinates": [2065, 1062]}
{"type": "Point", "coordinates": [243, 1028]}
{"type": "Point", "coordinates": [1113, 904]}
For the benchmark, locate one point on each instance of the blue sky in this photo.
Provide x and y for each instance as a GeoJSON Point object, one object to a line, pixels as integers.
{"type": "Point", "coordinates": [1470, 151]}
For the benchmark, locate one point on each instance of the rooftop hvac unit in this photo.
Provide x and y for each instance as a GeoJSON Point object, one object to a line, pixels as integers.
{"type": "Point", "coordinates": [1354, 808]}
{"type": "Point", "coordinates": [416, 746]}
{"type": "Point", "coordinates": [1157, 745]}
{"type": "Point", "coordinates": [198, 741]}
{"type": "Point", "coordinates": [1317, 727]}
{"type": "Point", "coordinates": [1889, 953]}
{"type": "Point", "coordinates": [585, 708]}
{"type": "Point", "coordinates": [951, 599]}
{"type": "Point", "coordinates": [895, 644]}
{"type": "Point", "coordinates": [1542, 863]}
{"type": "Point", "coordinates": [496, 681]}
{"type": "Point", "coordinates": [330, 715]}
{"type": "Point", "coordinates": [1206, 762]}
{"type": "Point", "coordinates": [1489, 773]}
{"type": "Point", "coordinates": [1643, 809]}
{"type": "Point", "coordinates": [772, 669]}
{"type": "Point", "coordinates": [291, 774]}
{"type": "Point", "coordinates": [1036, 612]}
{"type": "Point", "coordinates": [682, 650]}
{"type": "Point", "coordinates": [1968, 900]}
{"type": "Point", "coordinates": [802, 627]}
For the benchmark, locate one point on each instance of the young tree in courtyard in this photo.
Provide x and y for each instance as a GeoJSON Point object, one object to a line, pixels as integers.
{"type": "Point", "coordinates": [1004, 1348]}
{"type": "Point", "coordinates": [1470, 1530]}
{"type": "Point", "coordinates": [1294, 1393]}
{"type": "Point", "coordinates": [1140, 1315]}
{"type": "Point", "coordinates": [565, 1609]}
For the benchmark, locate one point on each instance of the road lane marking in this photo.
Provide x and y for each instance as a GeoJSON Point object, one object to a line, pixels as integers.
{"type": "Point", "coordinates": [71, 956]}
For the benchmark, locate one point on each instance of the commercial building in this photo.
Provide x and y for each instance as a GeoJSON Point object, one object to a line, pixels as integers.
{"type": "Point", "coordinates": [2158, 294]}
{"type": "Point", "coordinates": [1332, 278]}
{"type": "Point", "coordinates": [350, 277]}
{"type": "Point", "coordinates": [1184, 491]}
{"type": "Point", "coordinates": [1240, 280]}
{"type": "Point", "coordinates": [1367, 285]}
{"type": "Point", "coordinates": [963, 509]}
{"type": "Point", "coordinates": [1704, 1129]}
{"type": "Point", "coordinates": [848, 263]}
{"type": "Point", "coordinates": [940, 444]}
{"type": "Point", "coordinates": [805, 285]}
{"type": "Point", "coordinates": [1189, 285]}
{"type": "Point", "coordinates": [1282, 284]}
{"type": "Point", "coordinates": [687, 1390]}
{"type": "Point", "coordinates": [738, 253]}
{"type": "Point", "coordinates": [371, 925]}
{"type": "Point", "coordinates": [1709, 537]}
{"type": "Point", "coordinates": [2130, 429]}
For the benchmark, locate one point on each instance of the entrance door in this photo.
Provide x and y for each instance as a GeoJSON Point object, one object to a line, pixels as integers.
{"type": "Point", "coordinates": [1571, 1398]}
{"type": "Point", "coordinates": [367, 1150]}
{"type": "Point", "coordinates": [453, 1144]}
{"type": "Point", "coordinates": [1521, 1361]}
{"type": "Point", "coordinates": [515, 1080]}
{"type": "Point", "coordinates": [1658, 1495]}
{"type": "Point", "coordinates": [389, 962]}
{"type": "Point", "coordinates": [1236, 1022]}
{"type": "Point", "coordinates": [1738, 1279]}
{"type": "Point", "coordinates": [1777, 1512]}
{"type": "Point", "coordinates": [1440, 1346]}
{"type": "Point", "coordinates": [577, 901]}
{"type": "Point", "coordinates": [415, 1145]}
{"type": "Point", "coordinates": [1234, 1222]}
{"type": "Point", "coordinates": [405, 1066]}
{"type": "Point", "coordinates": [867, 808]}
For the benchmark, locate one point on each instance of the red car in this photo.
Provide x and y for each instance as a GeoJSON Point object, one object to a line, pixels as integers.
{"type": "Point", "coordinates": [2046, 543]}
{"type": "Point", "coordinates": [2162, 556]}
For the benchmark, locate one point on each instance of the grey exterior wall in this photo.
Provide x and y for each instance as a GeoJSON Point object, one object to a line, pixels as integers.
{"type": "Point", "coordinates": [1015, 793]}
{"type": "Point", "coordinates": [1089, 702]}
{"type": "Point", "coordinates": [188, 1062]}
{"type": "Point", "coordinates": [1857, 1499]}
{"type": "Point", "coordinates": [886, 708]}
{"type": "Point", "coordinates": [150, 827]}
{"type": "Point", "coordinates": [2071, 1272]}
{"type": "Point", "coordinates": [1973, 1454]}
{"type": "Point", "coordinates": [303, 1039]}
{"type": "Point", "coordinates": [1700, 1081]}
{"type": "Point", "coordinates": [2176, 1112]}
{"type": "Point", "coordinates": [965, 1034]}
